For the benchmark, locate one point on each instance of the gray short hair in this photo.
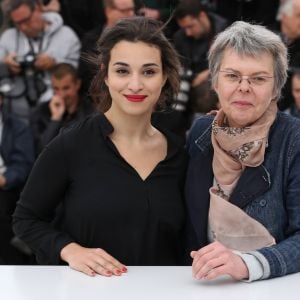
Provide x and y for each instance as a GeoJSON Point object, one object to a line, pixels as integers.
{"type": "Point", "coordinates": [250, 40]}
{"type": "Point", "coordinates": [9, 6]}
{"type": "Point", "coordinates": [286, 8]}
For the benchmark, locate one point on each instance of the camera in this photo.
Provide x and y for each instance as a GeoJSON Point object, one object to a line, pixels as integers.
{"type": "Point", "coordinates": [33, 79]}
{"type": "Point", "coordinates": [26, 61]}
{"type": "Point", "coordinates": [186, 76]}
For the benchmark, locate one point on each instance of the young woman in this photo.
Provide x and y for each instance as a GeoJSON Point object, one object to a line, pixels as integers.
{"type": "Point", "coordinates": [116, 179]}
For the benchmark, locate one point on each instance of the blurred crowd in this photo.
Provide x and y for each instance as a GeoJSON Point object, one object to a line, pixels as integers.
{"type": "Point", "coordinates": [45, 73]}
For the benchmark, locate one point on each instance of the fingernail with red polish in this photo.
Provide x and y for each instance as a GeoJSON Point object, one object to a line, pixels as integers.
{"type": "Point", "coordinates": [109, 273]}
{"type": "Point", "coordinates": [118, 272]}
{"type": "Point", "coordinates": [124, 269]}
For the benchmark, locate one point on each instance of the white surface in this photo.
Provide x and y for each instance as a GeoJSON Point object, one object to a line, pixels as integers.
{"type": "Point", "coordinates": [143, 283]}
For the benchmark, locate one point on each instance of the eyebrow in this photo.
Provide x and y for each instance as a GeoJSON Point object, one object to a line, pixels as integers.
{"type": "Point", "coordinates": [127, 65]}
{"type": "Point", "coordinates": [255, 73]}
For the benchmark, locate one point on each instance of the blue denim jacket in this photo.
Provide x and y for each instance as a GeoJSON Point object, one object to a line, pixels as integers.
{"type": "Point", "coordinates": [269, 193]}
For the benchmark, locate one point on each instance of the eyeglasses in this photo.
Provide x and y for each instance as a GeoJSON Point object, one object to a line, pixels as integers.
{"type": "Point", "coordinates": [237, 78]}
{"type": "Point", "coordinates": [25, 20]}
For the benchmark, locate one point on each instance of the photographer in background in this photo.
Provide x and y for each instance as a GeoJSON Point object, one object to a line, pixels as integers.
{"type": "Point", "coordinates": [66, 107]}
{"type": "Point", "coordinates": [197, 29]}
{"type": "Point", "coordinates": [37, 43]}
{"type": "Point", "coordinates": [16, 160]}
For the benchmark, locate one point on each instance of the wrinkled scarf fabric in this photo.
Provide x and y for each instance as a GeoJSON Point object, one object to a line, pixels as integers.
{"type": "Point", "coordinates": [234, 150]}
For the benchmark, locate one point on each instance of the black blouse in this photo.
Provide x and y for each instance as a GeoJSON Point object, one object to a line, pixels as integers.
{"type": "Point", "coordinates": [99, 200]}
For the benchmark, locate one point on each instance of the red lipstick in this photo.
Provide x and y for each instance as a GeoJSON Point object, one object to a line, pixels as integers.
{"type": "Point", "coordinates": [135, 98]}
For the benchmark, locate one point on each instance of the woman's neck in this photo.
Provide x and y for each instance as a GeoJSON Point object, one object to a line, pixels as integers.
{"type": "Point", "coordinates": [131, 128]}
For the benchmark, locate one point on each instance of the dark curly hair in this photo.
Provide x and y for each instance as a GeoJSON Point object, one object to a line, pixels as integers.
{"type": "Point", "coordinates": [135, 29]}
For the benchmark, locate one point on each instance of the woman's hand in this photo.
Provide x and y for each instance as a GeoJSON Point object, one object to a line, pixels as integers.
{"type": "Point", "coordinates": [215, 260]}
{"type": "Point", "coordinates": [91, 261]}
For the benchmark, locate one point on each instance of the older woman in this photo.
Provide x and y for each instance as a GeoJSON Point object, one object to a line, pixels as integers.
{"type": "Point", "coordinates": [243, 181]}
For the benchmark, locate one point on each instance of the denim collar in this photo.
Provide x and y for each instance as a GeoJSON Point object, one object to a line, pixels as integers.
{"type": "Point", "coordinates": [203, 142]}
{"type": "Point", "coordinates": [253, 181]}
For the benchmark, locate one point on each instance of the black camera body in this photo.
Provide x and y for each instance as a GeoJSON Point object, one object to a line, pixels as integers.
{"type": "Point", "coordinates": [33, 78]}
{"type": "Point", "coordinates": [26, 61]}
{"type": "Point", "coordinates": [186, 77]}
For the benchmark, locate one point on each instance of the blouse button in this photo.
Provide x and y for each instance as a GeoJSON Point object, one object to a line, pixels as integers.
{"type": "Point", "coordinates": [263, 202]}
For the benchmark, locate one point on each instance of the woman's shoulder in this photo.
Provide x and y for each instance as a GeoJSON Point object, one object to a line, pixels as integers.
{"type": "Point", "coordinates": [200, 129]}
{"type": "Point", "coordinates": [285, 134]}
{"type": "Point", "coordinates": [202, 123]}
{"type": "Point", "coordinates": [79, 133]}
{"type": "Point", "coordinates": [169, 135]}
{"type": "Point", "coordinates": [286, 125]}
{"type": "Point", "coordinates": [83, 124]}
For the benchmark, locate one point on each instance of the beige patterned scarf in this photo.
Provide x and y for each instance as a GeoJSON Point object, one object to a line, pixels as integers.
{"type": "Point", "coordinates": [235, 149]}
